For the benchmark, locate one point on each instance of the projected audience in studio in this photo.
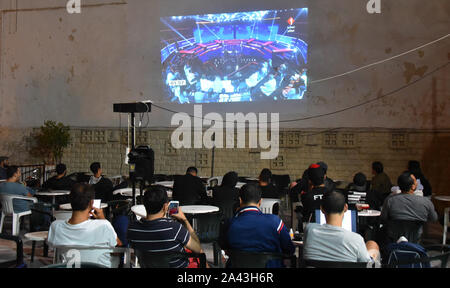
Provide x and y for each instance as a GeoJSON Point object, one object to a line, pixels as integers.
{"type": "Point", "coordinates": [189, 189]}
{"type": "Point", "coordinates": [251, 230]}
{"type": "Point", "coordinates": [235, 51]}
{"type": "Point", "coordinates": [331, 242]}
{"type": "Point", "coordinates": [102, 185]}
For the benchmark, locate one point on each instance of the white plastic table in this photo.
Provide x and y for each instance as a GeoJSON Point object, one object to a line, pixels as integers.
{"type": "Point", "coordinates": [68, 206]}
{"type": "Point", "coordinates": [369, 213]}
{"type": "Point", "coordinates": [53, 194]}
{"type": "Point", "coordinates": [37, 237]}
{"type": "Point", "coordinates": [442, 198]}
{"type": "Point", "coordinates": [140, 211]}
{"type": "Point", "coordinates": [168, 184]}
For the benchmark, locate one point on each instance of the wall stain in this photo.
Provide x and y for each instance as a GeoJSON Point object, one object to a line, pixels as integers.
{"type": "Point", "coordinates": [421, 53]}
{"type": "Point", "coordinates": [71, 37]}
{"type": "Point", "coordinates": [13, 70]}
{"type": "Point", "coordinates": [388, 50]}
{"type": "Point", "coordinates": [411, 71]}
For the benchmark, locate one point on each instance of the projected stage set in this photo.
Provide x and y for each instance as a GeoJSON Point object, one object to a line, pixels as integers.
{"type": "Point", "coordinates": [235, 57]}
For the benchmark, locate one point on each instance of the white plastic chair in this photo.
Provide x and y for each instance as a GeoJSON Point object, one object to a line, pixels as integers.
{"type": "Point", "coordinates": [446, 216]}
{"type": "Point", "coordinates": [8, 210]}
{"type": "Point", "coordinates": [62, 215]}
{"type": "Point", "coordinates": [267, 205]}
{"type": "Point", "coordinates": [213, 179]}
{"type": "Point", "coordinates": [61, 255]}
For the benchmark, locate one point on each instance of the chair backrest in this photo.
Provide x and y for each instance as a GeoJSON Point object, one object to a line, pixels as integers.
{"type": "Point", "coordinates": [215, 181]}
{"type": "Point", "coordinates": [62, 215]}
{"type": "Point", "coordinates": [333, 264]}
{"type": "Point", "coordinates": [281, 182]}
{"type": "Point", "coordinates": [208, 226]}
{"type": "Point", "coordinates": [88, 254]}
{"type": "Point", "coordinates": [268, 204]}
{"type": "Point", "coordinates": [18, 262]}
{"type": "Point", "coordinates": [7, 203]}
{"type": "Point", "coordinates": [149, 259]}
{"type": "Point", "coordinates": [244, 259]}
{"type": "Point", "coordinates": [82, 265]}
{"type": "Point", "coordinates": [412, 230]}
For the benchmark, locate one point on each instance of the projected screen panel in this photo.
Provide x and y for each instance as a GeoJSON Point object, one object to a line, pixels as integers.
{"type": "Point", "coordinates": [235, 57]}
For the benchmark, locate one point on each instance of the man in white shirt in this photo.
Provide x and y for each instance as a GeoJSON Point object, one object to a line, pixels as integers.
{"type": "Point", "coordinates": [331, 242]}
{"type": "Point", "coordinates": [82, 231]}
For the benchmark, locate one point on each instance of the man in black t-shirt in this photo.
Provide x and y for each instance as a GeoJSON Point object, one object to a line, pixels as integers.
{"type": "Point", "coordinates": [103, 186]}
{"type": "Point", "coordinates": [265, 184]}
{"type": "Point", "coordinates": [312, 199]}
{"type": "Point", "coordinates": [189, 189]}
{"type": "Point", "coordinates": [60, 181]}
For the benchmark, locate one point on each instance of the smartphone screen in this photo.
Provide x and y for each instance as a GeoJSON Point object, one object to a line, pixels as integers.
{"type": "Point", "coordinates": [173, 207]}
{"type": "Point", "coordinates": [97, 203]}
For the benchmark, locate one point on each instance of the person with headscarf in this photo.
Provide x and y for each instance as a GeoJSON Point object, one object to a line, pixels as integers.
{"type": "Point", "coordinates": [423, 184]}
{"type": "Point", "coordinates": [226, 196]}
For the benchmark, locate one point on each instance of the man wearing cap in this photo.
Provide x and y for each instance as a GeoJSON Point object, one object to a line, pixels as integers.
{"type": "Point", "coordinates": [329, 183]}
{"type": "Point", "coordinates": [3, 165]}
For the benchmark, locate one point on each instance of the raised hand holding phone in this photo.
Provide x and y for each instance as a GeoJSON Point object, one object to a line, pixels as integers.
{"type": "Point", "coordinates": [173, 208]}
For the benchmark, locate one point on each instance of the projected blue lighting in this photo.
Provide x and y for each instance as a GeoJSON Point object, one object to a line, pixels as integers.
{"type": "Point", "coordinates": [235, 57]}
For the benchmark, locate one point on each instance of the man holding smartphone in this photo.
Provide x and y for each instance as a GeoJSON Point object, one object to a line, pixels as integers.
{"type": "Point", "coordinates": [156, 233]}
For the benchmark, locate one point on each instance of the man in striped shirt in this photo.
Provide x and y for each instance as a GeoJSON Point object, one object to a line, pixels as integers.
{"type": "Point", "coordinates": [156, 233]}
{"type": "Point", "coordinates": [252, 231]}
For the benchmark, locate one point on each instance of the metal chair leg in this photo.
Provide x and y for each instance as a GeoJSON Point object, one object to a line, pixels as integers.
{"type": "Point", "coordinates": [33, 249]}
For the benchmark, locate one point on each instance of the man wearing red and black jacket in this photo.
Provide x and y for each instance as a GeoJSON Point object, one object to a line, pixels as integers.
{"type": "Point", "coordinates": [252, 231]}
{"type": "Point", "coordinates": [311, 200]}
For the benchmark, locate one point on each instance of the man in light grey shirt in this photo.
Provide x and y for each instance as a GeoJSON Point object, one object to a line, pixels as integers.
{"type": "Point", "coordinates": [406, 205]}
{"type": "Point", "coordinates": [331, 242]}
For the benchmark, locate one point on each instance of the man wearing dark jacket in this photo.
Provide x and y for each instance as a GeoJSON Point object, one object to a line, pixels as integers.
{"type": "Point", "coordinates": [103, 186]}
{"type": "Point", "coordinates": [329, 183]}
{"type": "Point", "coordinates": [189, 189]}
{"type": "Point", "coordinates": [381, 184]}
{"type": "Point", "coordinates": [60, 181]}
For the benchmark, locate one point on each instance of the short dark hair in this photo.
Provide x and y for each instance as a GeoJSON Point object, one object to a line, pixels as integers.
{"type": "Point", "coordinates": [360, 179]}
{"type": "Point", "coordinates": [10, 171]}
{"type": "Point", "coordinates": [323, 165]}
{"type": "Point", "coordinates": [95, 167]}
{"type": "Point", "coordinates": [61, 168]}
{"type": "Point", "coordinates": [316, 175]}
{"type": "Point", "coordinates": [414, 168]}
{"type": "Point", "coordinates": [191, 169]}
{"type": "Point", "coordinates": [377, 167]}
{"type": "Point", "coordinates": [250, 193]}
{"type": "Point", "coordinates": [81, 196]}
{"type": "Point", "coordinates": [265, 175]}
{"type": "Point", "coordinates": [333, 202]}
{"type": "Point", "coordinates": [405, 182]}
{"type": "Point", "coordinates": [230, 179]}
{"type": "Point", "coordinates": [154, 199]}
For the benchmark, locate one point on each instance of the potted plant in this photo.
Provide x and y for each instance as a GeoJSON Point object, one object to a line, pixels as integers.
{"type": "Point", "coordinates": [50, 141]}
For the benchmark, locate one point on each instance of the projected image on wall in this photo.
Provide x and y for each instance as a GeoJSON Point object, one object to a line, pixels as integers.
{"type": "Point", "coordinates": [235, 57]}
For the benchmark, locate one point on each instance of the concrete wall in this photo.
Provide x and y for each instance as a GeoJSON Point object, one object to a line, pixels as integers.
{"type": "Point", "coordinates": [72, 68]}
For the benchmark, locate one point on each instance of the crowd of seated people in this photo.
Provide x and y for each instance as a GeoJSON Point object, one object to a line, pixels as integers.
{"type": "Point", "coordinates": [244, 227]}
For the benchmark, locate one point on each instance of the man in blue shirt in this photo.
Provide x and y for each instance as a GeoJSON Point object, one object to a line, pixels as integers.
{"type": "Point", "coordinates": [11, 186]}
{"type": "Point", "coordinates": [252, 231]}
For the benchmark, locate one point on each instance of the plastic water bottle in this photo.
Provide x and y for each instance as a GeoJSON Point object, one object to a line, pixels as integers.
{"type": "Point", "coordinates": [291, 233]}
